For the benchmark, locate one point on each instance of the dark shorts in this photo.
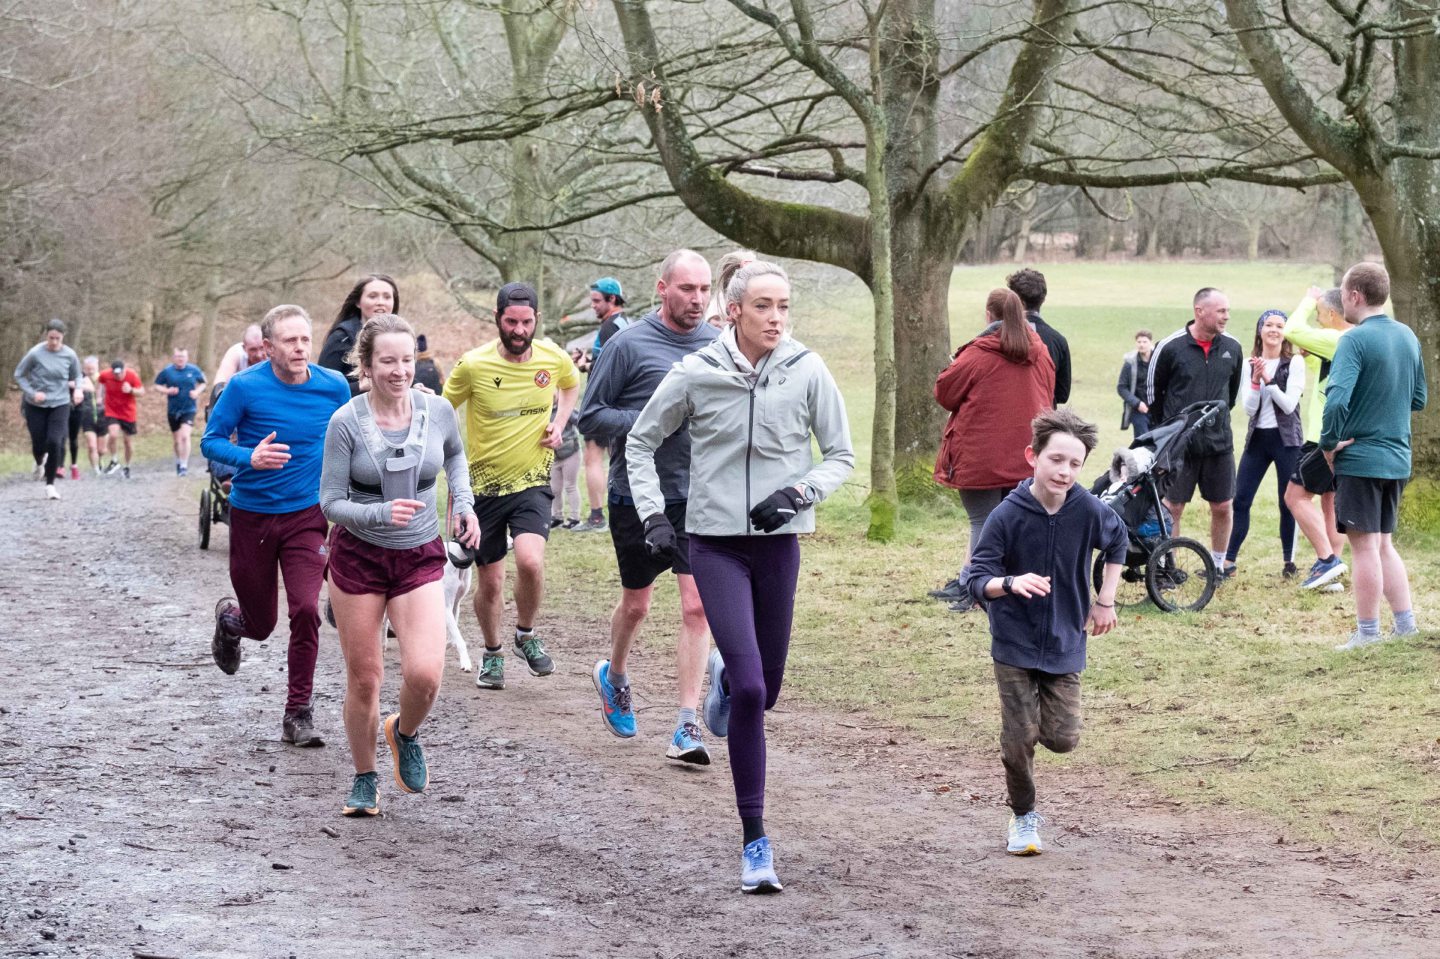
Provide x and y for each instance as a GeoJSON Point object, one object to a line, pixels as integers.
{"type": "Point", "coordinates": [1312, 473]}
{"type": "Point", "coordinates": [360, 568]}
{"type": "Point", "coordinates": [1214, 474]}
{"type": "Point", "coordinates": [1365, 505]}
{"type": "Point", "coordinates": [89, 421]}
{"type": "Point", "coordinates": [184, 419]}
{"type": "Point", "coordinates": [637, 569]}
{"type": "Point", "coordinates": [527, 511]}
{"type": "Point", "coordinates": [126, 426]}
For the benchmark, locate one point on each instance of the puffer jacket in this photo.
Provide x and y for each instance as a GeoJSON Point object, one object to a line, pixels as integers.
{"type": "Point", "coordinates": [991, 400]}
{"type": "Point", "coordinates": [749, 433]}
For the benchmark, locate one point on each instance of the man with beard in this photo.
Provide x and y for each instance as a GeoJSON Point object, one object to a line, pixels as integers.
{"type": "Point", "coordinates": [510, 386]}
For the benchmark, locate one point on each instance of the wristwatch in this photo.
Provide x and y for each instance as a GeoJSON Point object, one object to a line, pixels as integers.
{"type": "Point", "coordinates": [1008, 584]}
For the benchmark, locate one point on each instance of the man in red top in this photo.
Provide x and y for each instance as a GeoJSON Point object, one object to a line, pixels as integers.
{"type": "Point", "coordinates": [121, 384]}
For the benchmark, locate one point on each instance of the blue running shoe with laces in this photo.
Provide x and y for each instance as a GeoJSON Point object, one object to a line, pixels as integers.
{"type": "Point", "coordinates": [717, 701]}
{"type": "Point", "coordinates": [1323, 572]}
{"type": "Point", "coordinates": [757, 868]}
{"type": "Point", "coordinates": [687, 746]}
{"type": "Point", "coordinates": [364, 798]}
{"type": "Point", "coordinates": [615, 706]}
{"type": "Point", "coordinates": [411, 773]}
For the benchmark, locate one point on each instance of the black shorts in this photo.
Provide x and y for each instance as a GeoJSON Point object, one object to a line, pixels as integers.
{"type": "Point", "coordinates": [1214, 474]}
{"type": "Point", "coordinates": [527, 511]}
{"type": "Point", "coordinates": [1312, 473]}
{"type": "Point", "coordinates": [90, 422]}
{"type": "Point", "coordinates": [637, 569]}
{"type": "Point", "coordinates": [184, 419]}
{"type": "Point", "coordinates": [1366, 505]}
{"type": "Point", "coordinates": [126, 426]}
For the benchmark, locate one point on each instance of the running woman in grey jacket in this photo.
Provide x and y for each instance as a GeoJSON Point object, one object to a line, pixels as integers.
{"type": "Point", "coordinates": [49, 377]}
{"type": "Point", "coordinates": [752, 399]}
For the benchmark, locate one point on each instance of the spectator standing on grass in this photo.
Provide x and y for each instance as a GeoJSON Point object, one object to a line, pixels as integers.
{"type": "Point", "coordinates": [565, 477]}
{"type": "Point", "coordinates": [278, 413]}
{"type": "Point", "coordinates": [1376, 383]}
{"type": "Point", "coordinates": [1031, 568]}
{"type": "Point", "coordinates": [995, 385]}
{"type": "Point", "coordinates": [181, 382]}
{"type": "Point", "coordinates": [1134, 370]}
{"type": "Point", "coordinates": [373, 295]}
{"type": "Point", "coordinates": [49, 377]}
{"type": "Point", "coordinates": [122, 385]}
{"type": "Point", "coordinates": [1030, 286]}
{"type": "Point", "coordinates": [1201, 363]}
{"type": "Point", "coordinates": [1312, 476]}
{"type": "Point", "coordinates": [1270, 396]}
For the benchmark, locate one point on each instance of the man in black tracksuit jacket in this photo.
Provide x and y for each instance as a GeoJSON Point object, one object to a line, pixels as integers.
{"type": "Point", "coordinates": [1030, 286]}
{"type": "Point", "coordinates": [1200, 362]}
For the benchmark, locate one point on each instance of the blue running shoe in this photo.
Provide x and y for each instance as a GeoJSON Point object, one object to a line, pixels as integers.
{"type": "Point", "coordinates": [615, 706]}
{"type": "Point", "coordinates": [364, 798]}
{"type": "Point", "coordinates": [411, 773]}
{"type": "Point", "coordinates": [717, 701]}
{"type": "Point", "coordinates": [1324, 571]}
{"type": "Point", "coordinates": [757, 868]}
{"type": "Point", "coordinates": [687, 747]}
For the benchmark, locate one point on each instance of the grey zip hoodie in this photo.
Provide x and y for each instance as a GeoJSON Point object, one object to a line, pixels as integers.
{"type": "Point", "coordinates": [750, 435]}
{"type": "Point", "coordinates": [52, 372]}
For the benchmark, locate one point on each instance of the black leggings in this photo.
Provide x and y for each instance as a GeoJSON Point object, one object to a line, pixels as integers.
{"type": "Point", "coordinates": [75, 419]}
{"type": "Point", "coordinates": [1264, 448]}
{"type": "Point", "coordinates": [47, 425]}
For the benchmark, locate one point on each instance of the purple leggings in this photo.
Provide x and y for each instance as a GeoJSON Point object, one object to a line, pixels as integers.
{"type": "Point", "coordinates": [747, 584]}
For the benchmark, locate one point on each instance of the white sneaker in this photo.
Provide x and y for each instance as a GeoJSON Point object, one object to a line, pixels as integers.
{"type": "Point", "coordinates": [1024, 835]}
{"type": "Point", "coordinates": [51, 492]}
{"type": "Point", "coordinates": [1359, 640]}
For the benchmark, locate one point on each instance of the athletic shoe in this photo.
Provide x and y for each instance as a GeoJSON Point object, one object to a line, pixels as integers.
{"type": "Point", "coordinates": [225, 645]}
{"type": "Point", "coordinates": [687, 747]}
{"type": "Point", "coordinates": [950, 592]}
{"type": "Point", "coordinates": [1323, 572]}
{"type": "Point", "coordinates": [298, 730]}
{"type": "Point", "coordinates": [411, 774]}
{"type": "Point", "coordinates": [364, 799]}
{"type": "Point", "coordinates": [184, 470]}
{"type": "Point", "coordinates": [1024, 835]}
{"type": "Point", "coordinates": [757, 868]}
{"type": "Point", "coordinates": [964, 604]}
{"type": "Point", "coordinates": [1332, 588]}
{"type": "Point", "coordinates": [1228, 571]}
{"type": "Point", "coordinates": [492, 671]}
{"type": "Point", "coordinates": [177, 469]}
{"type": "Point", "coordinates": [555, 521]}
{"type": "Point", "coordinates": [592, 525]}
{"type": "Point", "coordinates": [112, 468]}
{"type": "Point", "coordinates": [717, 701]}
{"type": "Point", "coordinates": [1397, 633]}
{"type": "Point", "coordinates": [125, 472]}
{"type": "Point", "coordinates": [534, 653]}
{"type": "Point", "coordinates": [40, 467]}
{"type": "Point", "coordinates": [615, 706]}
{"type": "Point", "coordinates": [1290, 571]}
{"type": "Point", "coordinates": [51, 492]}
{"type": "Point", "coordinates": [74, 471]}
{"type": "Point", "coordinates": [1359, 640]}
{"type": "Point", "coordinates": [570, 524]}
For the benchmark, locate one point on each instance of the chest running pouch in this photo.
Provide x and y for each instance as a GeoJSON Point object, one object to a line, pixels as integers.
{"type": "Point", "coordinates": [399, 467]}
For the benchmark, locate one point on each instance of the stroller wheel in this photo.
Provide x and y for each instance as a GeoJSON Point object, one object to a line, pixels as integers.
{"type": "Point", "coordinates": [1131, 591]}
{"type": "Point", "coordinates": [1181, 575]}
{"type": "Point", "coordinates": [204, 519]}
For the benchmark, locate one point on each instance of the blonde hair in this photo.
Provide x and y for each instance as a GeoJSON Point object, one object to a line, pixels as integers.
{"type": "Point", "coordinates": [740, 282]}
{"type": "Point", "coordinates": [363, 352]}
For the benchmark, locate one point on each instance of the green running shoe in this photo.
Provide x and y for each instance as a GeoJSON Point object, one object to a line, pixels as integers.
{"type": "Point", "coordinates": [491, 674]}
{"type": "Point", "coordinates": [410, 772]}
{"type": "Point", "coordinates": [364, 797]}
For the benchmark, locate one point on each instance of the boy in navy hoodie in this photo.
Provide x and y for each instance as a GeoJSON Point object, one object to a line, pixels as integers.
{"type": "Point", "coordinates": [1031, 569]}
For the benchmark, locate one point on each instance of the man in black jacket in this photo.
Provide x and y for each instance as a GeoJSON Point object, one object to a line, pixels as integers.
{"type": "Point", "coordinates": [1029, 285]}
{"type": "Point", "coordinates": [1200, 362]}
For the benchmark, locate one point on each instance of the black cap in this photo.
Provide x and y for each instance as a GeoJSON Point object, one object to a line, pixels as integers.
{"type": "Point", "coordinates": [420, 344]}
{"type": "Point", "coordinates": [118, 366]}
{"type": "Point", "coordinates": [513, 294]}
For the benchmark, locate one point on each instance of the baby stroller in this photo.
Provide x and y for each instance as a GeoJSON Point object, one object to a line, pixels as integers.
{"type": "Point", "coordinates": [215, 499]}
{"type": "Point", "coordinates": [1175, 573]}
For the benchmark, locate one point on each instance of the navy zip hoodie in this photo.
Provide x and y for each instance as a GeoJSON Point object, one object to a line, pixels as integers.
{"type": "Point", "coordinates": [1043, 632]}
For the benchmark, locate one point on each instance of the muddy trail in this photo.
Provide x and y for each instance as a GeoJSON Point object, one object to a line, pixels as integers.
{"type": "Point", "coordinates": [148, 808]}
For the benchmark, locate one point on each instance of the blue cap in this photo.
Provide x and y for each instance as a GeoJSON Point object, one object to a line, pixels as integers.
{"type": "Point", "coordinates": [609, 286]}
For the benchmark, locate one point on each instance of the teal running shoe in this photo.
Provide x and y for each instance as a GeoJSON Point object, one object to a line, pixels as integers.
{"type": "Point", "coordinates": [615, 706]}
{"type": "Point", "coordinates": [491, 674]}
{"type": "Point", "coordinates": [535, 657]}
{"type": "Point", "coordinates": [717, 701]}
{"type": "Point", "coordinates": [687, 746]}
{"type": "Point", "coordinates": [364, 799]}
{"type": "Point", "coordinates": [411, 774]}
{"type": "Point", "coordinates": [1024, 835]}
{"type": "Point", "coordinates": [757, 868]}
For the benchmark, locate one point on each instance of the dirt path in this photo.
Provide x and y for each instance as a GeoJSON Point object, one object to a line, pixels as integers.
{"type": "Point", "coordinates": [147, 807]}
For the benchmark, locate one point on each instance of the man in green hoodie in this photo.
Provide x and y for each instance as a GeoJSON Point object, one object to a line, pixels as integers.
{"type": "Point", "coordinates": [1376, 382]}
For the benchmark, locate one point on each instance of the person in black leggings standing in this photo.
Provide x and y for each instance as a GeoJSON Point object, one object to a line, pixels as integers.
{"type": "Point", "coordinates": [48, 376]}
{"type": "Point", "coordinates": [752, 399]}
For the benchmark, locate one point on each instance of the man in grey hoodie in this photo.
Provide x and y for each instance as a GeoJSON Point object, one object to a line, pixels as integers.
{"type": "Point", "coordinates": [622, 381]}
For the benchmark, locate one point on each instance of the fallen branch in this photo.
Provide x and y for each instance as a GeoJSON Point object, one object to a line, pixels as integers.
{"type": "Point", "coordinates": [1192, 763]}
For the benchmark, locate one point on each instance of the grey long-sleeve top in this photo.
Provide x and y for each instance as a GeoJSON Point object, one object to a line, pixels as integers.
{"type": "Point", "coordinates": [366, 514]}
{"type": "Point", "coordinates": [52, 372]}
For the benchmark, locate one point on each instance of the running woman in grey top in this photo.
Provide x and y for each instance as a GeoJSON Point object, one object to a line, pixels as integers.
{"type": "Point", "coordinates": [49, 376]}
{"type": "Point", "coordinates": [383, 452]}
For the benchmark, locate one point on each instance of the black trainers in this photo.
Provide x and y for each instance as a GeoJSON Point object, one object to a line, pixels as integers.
{"type": "Point", "coordinates": [224, 645]}
{"type": "Point", "coordinates": [1290, 571]}
{"type": "Point", "coordinates": [964, 604]}
{"type": "Point", "coordinates": [950, 592]}
{"type": "Point", "coordinates": [298, 729]}
{"type": "Point", "coordinates": [529, 646]}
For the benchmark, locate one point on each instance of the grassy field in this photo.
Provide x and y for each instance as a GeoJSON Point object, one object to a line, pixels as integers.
{"type": "Point", "coordinates": [1244, 704]}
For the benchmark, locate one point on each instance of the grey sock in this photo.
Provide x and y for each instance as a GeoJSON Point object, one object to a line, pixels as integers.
{"type": "Point", "coordinates": [618, 680]}
{"type": "Point", "coordinates": [1405, 622]}
{"type": "Point", "coordinates": [1368, 627]}
{"type": "Point", "coordinates": [685, 716]}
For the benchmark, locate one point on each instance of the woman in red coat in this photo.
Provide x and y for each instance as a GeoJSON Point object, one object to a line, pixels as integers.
{"type": "Point", "coordinates": [996, 384]}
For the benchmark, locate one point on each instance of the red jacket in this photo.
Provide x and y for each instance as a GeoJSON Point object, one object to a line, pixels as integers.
{"type": "Point", "coordinates": [991, 400]}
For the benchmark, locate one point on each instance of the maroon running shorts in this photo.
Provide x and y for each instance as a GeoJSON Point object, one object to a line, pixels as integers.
{"type": "Point", "coordinates": [360, 568]}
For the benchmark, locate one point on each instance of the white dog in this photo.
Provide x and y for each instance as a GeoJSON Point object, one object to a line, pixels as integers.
{"type": "Point", "coordinates": [457, 586]}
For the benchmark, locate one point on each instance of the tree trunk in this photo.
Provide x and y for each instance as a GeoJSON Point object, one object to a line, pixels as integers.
{"type": "Point", "coordinates": [205, 357]}
{"type": "Point", "coordinates": [922, 270]}
{"type": "Point", "coordinates": [141, 324]}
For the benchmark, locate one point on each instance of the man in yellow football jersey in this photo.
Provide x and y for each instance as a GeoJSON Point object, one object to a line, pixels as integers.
{"type": "Point", "coordinates": [510, 386]}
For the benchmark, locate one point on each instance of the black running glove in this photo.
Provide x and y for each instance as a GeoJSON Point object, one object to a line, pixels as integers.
{"type": "Point", "coordinates": [777, 509]}
{"type": "Point", "coordinates": [659, 537]}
